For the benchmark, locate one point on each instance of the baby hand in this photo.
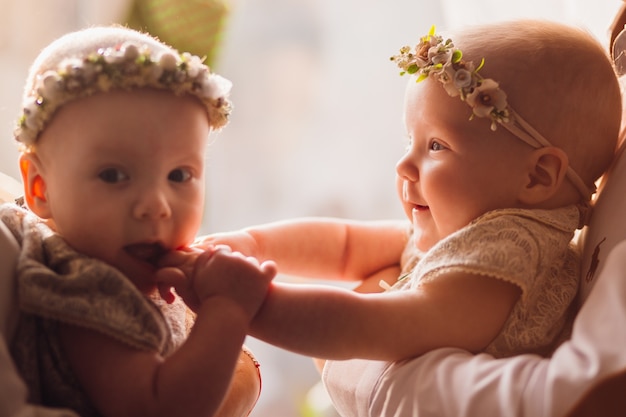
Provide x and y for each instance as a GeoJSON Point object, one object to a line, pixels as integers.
{"type": "Point", "coordinates": [198, 275]}
{"type": "Point", "coordinates": [176, 272]}
{"type": "Point", "coordinates": [222, 273]}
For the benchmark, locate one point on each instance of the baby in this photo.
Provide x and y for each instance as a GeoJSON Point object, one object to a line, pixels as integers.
{"type": "Point", "coordinates": [509, 127]}
{"type": "Point", "coordinates": [113, 140]}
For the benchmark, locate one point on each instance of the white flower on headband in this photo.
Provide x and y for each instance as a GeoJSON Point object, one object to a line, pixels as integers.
{"type": "Point", "coordinates": [126, 66]}
{"type": "Point", "coordinates": [439, 58]}
{"type": "Point", "coordinates": [216, 86]}
{"type": "Point", "coordinates": [487, 100]}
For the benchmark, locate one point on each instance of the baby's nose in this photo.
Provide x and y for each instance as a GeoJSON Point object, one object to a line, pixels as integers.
{"type": "Point", "coordinates": [152, 205]}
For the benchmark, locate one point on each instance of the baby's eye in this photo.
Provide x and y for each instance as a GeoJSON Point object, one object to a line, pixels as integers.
{"type": "Point", "coordinates": [112, 175]}
{"type": "Point", "coordinates": [436, 146]}
{"type": "Point", "coordinates": [179, 175]}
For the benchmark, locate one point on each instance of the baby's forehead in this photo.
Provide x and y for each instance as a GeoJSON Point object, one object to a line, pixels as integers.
{"type": "Point", "coordinates": [127, 127]}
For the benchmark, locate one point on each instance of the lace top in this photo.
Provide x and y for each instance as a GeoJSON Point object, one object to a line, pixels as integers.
{"type": "Point", "coordinates": [55, 284]}
{"type": "Point", "coordinates": [529, 248]}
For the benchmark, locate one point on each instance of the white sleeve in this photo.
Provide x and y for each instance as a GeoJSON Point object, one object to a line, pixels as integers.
{"type": "Point", "coordinates": [453, 383]}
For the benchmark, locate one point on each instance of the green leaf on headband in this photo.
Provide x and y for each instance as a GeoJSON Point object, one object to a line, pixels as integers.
{"type": "Point", "coordinates": [482, 62]}
{"type": "Point", "coordinates": [456, 56]}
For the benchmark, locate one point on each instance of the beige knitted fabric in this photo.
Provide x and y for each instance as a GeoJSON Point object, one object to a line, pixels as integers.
{"type": "Point", "coordinates": [528, 248]}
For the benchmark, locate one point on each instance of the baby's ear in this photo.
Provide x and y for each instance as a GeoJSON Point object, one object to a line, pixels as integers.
{"type": "Point", "coordinates": [34, 185]}
{"type": "Point", "coordinates": [547, 168]}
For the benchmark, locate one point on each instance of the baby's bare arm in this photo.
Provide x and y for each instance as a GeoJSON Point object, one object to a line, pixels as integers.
{"type": "Point", "coordinates": [322, 247]}
{"type": "Point", "coordinates": [124, 381]}
{"type": "Point", "coordinates": [458, 310]}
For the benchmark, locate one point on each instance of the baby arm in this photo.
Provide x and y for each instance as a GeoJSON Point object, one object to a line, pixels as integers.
{"type": "Point", "coordinates": [123, 381]}
{"type": "Point", "coordinates": [322, 247]}
{"type": "Point", "coordinates": [460, 310]}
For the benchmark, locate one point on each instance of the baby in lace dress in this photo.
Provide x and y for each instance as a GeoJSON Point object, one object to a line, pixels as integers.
{"type": "Point", "coordinates": [509, 127]}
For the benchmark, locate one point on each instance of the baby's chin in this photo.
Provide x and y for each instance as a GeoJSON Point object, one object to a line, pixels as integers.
{"type": "Point", "coordinates": [422, 241]}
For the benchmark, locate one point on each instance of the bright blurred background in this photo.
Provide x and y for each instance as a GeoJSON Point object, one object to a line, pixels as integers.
{"type": "Point", "coordinates": [317, 125]}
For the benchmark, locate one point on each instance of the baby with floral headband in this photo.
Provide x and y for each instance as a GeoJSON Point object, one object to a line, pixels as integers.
{"type": "Point", "coordinates": [509, 126]}
{"type": "Point", "coordinates": [113, 139]}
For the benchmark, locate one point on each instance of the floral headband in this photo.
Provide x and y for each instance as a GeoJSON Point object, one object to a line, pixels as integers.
{"type": "Point", "coordinates": [129, 65]}
{"type": "Point", "coordinates": [435, 57]}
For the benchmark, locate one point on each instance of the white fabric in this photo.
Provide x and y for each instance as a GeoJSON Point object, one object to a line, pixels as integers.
{"type": "Point", "coordinates": [350, 383]}
{"type": "Point", "coordinates": [608, 224]}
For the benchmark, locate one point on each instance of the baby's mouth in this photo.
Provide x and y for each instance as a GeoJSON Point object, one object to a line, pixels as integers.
{"type": "Point", "coordinates": [146, 252]}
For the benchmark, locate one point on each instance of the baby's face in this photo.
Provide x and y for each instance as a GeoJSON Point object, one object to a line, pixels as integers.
{"type": "Point", "coordinates": [124, 176]}
{"type": "Point", "coordinates": [454, 169]}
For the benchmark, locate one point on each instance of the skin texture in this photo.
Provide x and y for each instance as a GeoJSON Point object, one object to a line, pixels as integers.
{"type": "Point", "coordinates": [120, 176]}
